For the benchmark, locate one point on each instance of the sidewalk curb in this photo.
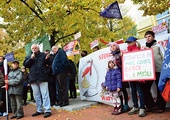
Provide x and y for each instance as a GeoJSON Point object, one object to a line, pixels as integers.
{"type": "Point", "coordinates": [74, 104]}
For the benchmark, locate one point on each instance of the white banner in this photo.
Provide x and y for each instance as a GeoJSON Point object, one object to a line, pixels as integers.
{"type": "Point", "coordinates": [92, 71]}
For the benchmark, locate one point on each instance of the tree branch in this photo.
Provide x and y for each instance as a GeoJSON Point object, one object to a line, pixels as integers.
{"type": "Point", "coordinates": [8, 1]}
{"type": "Point", "coordinates": [90, 9]}
{"type": "Point", "coordinates": [65, 37]}
{"type": "Point", "coordinates": [38, 8]}
{"type": "Point", "coordinates": [32, 10]}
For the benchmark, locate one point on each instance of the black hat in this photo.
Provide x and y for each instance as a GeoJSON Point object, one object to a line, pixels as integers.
{"type": "Point", "coordinates": [15, 61]}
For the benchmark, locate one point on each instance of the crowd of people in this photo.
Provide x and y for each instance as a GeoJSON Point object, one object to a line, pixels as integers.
{"type": "Point", "coordinates": [141, 88]}
{"type": "Point", "coordinates": [51, 75]}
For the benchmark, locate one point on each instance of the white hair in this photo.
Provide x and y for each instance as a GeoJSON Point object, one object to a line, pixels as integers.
{"type": "Point", "coordinates": [35, 45]}
{"type": "Point", "coordinates": [54, 47]}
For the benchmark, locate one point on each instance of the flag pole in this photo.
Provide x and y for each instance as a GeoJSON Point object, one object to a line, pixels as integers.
{"type": "Point", "coordinates": [6, 86]}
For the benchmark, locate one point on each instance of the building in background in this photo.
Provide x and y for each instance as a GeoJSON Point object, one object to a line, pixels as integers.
{"type": "Point", "coordinates": [163, 23]}
{"type": "Point", "coordinates": [144, 23]}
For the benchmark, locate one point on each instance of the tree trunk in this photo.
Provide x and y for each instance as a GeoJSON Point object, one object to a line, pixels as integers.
{"type": "Point", "coordinates": [52, 38]}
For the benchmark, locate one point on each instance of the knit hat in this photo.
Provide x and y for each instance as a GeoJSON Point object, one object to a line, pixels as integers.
{"type": "Point", "coordinates": [131, 39]}
{"type": "Point", "coordinates": [114, 43]}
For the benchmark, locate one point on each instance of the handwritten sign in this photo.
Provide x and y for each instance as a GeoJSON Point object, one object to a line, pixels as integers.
{"type": "Point", "coordinates": [138, 65]}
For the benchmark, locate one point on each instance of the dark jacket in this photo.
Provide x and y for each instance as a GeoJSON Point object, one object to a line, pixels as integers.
{"type": "Point", "coordinates": [2, 82]}
{"type": "Point", "coordinates": [113, 79]}
{"type": "Point", "coordinates": [60, 63]}
{"type": "Point", "coordinates": [15, 82]}
{"type": "Point", "coordinates": [37, 67]}
{"type": "Point", "coordinates": [72, 70]}
{"type": "Point", "coordinates": [25, 78]}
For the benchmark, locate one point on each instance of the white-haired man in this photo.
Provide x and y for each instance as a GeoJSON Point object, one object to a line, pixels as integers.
{"type": "Point", "coordinates": [59, 67]}
{"type": "Point", "coordinates": [36, 62]}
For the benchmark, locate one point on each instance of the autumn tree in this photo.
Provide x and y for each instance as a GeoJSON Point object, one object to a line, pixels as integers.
{"type": "Point", "coordinates": [152, 7]}
{"type": "Point", "coordinates": [27, 20]}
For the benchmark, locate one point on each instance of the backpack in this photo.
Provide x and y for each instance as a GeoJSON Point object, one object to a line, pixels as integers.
{"type": "Point", "coordinates": [166, 92]}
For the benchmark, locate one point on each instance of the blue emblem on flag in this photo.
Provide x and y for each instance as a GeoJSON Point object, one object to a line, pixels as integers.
{"type": "Point", "coordinates": [112, 11]}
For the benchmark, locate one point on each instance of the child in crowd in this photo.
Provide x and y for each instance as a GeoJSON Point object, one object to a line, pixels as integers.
{"type": "Point", "coordinates": [113, 83]}
{"type": "Point", "coordinates": [136, 86]}
{"type": "Point", "coordinates": [15, 90]}
{"type": "Point", "coordinates": [158, 52]}
{"type": "Point", "coordinates": [116, 53]}
{"type": "Point", "coordinates": [25, 85]}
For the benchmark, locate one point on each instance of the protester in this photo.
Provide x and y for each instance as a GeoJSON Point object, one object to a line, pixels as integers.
{"type": "Point", "coordinates": [116, 53]}
{"type": "Point", "coordinates": [158, 51]}
{"type": "Point", "coordinates": [25, 85]}
{"type": "Point", "coordinates": [15, 88]}
{"type": "Point", "coordinates": [51, 79]}
{"type": "Point", "coordinates": [58, 102]}
{"type": "Point", "coordinates": [113, 83]}
{"type": "Point", "coordinates": [72, 78]}
{"type": "Point", "coordinates": [59, 68]}
{"type": "Point", "coordinates": [136, 86]}
{"type": "Point", "coordinates": [96, 48]}
{"type": "Point", "coordinates": [2, 90]}
{"type": "Point", "coordinates": [83, 54]}
{"type": "Point", "coordinates": [36, 62]}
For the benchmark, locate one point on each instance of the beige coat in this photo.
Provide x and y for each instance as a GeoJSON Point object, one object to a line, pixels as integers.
{"type": "Point", "coordinates": [158, 51]}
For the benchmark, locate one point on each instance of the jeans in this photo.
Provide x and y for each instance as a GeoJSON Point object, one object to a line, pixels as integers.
{"type": "Point", "coordinates": [137, 87]}
{"type": "Point", "coordinates": [41, 96]}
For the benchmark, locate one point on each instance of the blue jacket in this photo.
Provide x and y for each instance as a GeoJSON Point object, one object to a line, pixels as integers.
{"type": "Point", "coordinates": [60, 62]}
{"type": "Point", "coordinates": [113, 79]}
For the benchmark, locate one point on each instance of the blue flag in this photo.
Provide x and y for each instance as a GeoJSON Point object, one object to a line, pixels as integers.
{"type": "Point", "coordinates": [112, 11]}
{"type": "Point", "coordinates": [9, 57]}
{"type": "Point", "coordinates": [165, 72]}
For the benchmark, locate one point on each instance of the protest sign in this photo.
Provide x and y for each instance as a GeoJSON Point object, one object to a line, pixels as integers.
{"type": "Point", "coordinates": [138, 65]}
{"type": "Point", "coordinates": [72, 48]}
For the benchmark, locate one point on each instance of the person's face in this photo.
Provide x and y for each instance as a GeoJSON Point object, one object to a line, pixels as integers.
{"type": "Point", "coordinates": [111, 64]}
{"type": "Point", "coordinates": [35, 49]}
{"type": "Point", "coordinates": [54, 50]}
{"type": "Point", "coordinates": [1, 59]}
{"type": "Point", "coordinates": [47, 52]}
{"type": "Point", "coordinates": [113, 47]}
{"type": "Point", "coordinates": [15, 65]}
{"type": "Point", "coordinates": [131, 43]}
{"type": "Point", "coordinates": [95, 49]}
{"type": "Point", "coordinates": [149, 38]}
{"type": "Point", "coordinates": [83, 54]}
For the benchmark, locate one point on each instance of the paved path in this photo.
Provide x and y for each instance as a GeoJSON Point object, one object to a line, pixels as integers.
{"type": "Point", "coordinates": [83, 110]}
